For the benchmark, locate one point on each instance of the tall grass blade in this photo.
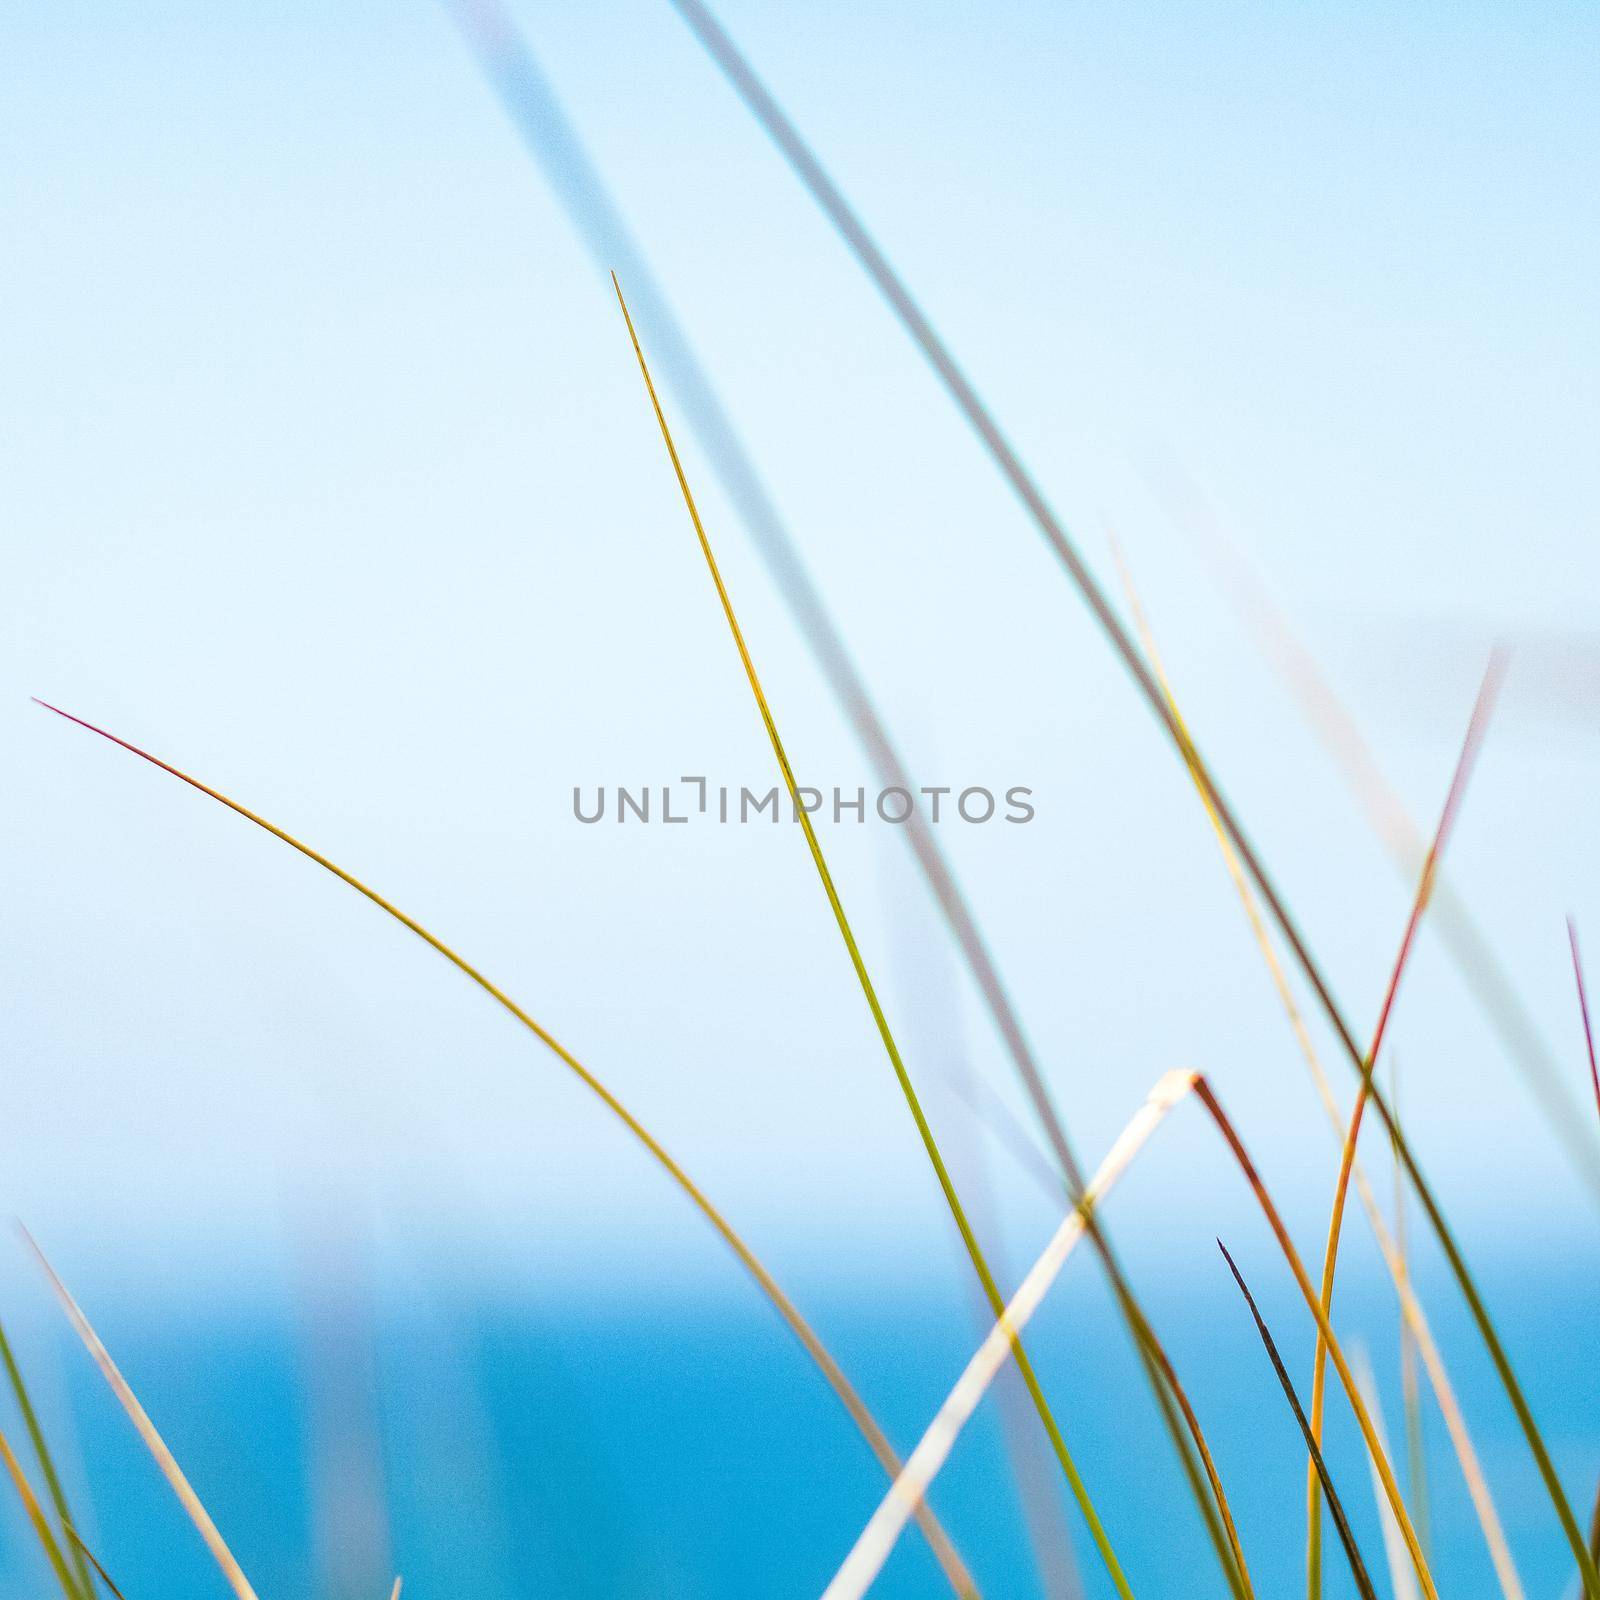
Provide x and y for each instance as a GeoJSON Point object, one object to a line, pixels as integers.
{"type": "Point", "coordinates": [1414, 1319]}
{"type": "Point", "coordinates": [394, 1593]}
{"type": "Point", "coordinates": [1358, 1568]}
{"type": "Point", "coordinates": [956, 1573]}
{"type": "Point", "coordinates": [84, 1550]}
{"type": "Point", "coordinates": [47, 1466]}
{"type": "Point", "coordinates": [867, 1556]}
{"type": "Point", "coordinates": [869, 992]}
{"type": "Point", "coordinates": [36, 1516]}
{"type": "Point", "coordinates": [154, 1443]}
{"type": "Point", "coordinates": [984, 424]}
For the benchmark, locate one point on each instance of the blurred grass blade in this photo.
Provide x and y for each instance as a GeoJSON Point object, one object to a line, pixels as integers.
{"type": "Point", "coordinates": [1485, 975]}
{"type": "Point", "coordinates": [1358, 1568]}
{"type": "Point", "coordinates": [961, 1581]}
{"type": "Point", "coordinates": [181, 1487]}
{"type": "Point", "coordinates": [1419, 905]}
{"type": "Point", "coordinates": [885, 1033]}
{"type": "Point", "coordinates": [1399, 1573]}
{"type": "Point", "coordinates": [36, 1516]}
{"type": "Point", "coordinates": [84, 1550]}
{"type": "Point", "coordinates": [1413, 1317]}
{"type": "Point", "coordinates": [866, 1558]}
{"type": "Point", "coordinates": [1410, 1393]}
{"type": "Point", "coordinates": [394, 1593]}
{"type": "Point", "coordinates": [47, 1466]}
{"type": "Point", "coordinates": [1000, 450]}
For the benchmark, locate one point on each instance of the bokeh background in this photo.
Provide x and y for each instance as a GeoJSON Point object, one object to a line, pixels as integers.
{"type": "Point", "coordinates": [327, 475]}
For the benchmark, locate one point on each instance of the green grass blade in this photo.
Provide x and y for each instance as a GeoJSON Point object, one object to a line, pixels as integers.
{"type": "Point", "coordinates": [83, 1549]}
{"type": "Point", "coordinates": [47, 1466]}
{"type": "Point", "coordinates": [36, 1517]}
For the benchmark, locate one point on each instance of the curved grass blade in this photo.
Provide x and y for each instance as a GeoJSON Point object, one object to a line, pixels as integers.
{"type": "Point", "coordinates": [885, 1033]}
{"type": "Point", "coordinates": [950, 1562]}
{"type": "Point", "coordinates": [529, 100]}
{"type": "Point", "coordinates": [83, 1549]}
{"type": "Point", "coordinates": [1413, 1318]}
{"type": "Point", "coordinates": [1022, 483]}
{"type": "Point", "coordinates": [47, 1466]}
{"type": "Point", "coordinates": [867, 1556]}
{"type": "Point", "coordinates": [1358, 1568]}
{"type": "Point", "coordinates": [154, 1443]}
{"type": "Point", "coordinates": [36, 1516]}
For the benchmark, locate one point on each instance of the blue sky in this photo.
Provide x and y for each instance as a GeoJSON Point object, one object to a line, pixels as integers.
{"type": "Point", "coordinates": [328, 476]}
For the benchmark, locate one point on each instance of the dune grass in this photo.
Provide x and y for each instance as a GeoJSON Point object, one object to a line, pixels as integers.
{"type": "Point", "coordinates": [1414, 1320]}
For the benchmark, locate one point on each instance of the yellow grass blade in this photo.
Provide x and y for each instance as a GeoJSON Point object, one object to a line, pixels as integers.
{"type": "Point", "coordinates": [961, 1581]}
{"type": "Point", "coordinates": [885, 1033]}
{"type": "Point", "coordinates": [1410, 1392]}
{"type": "Point", "coordinates": [1414, 1318]}
{"type": "Point", "coordinates": [394, 1593]}
{"type": "Point", "coordinates": [154, 1443]}
{"type": "Point", "coordinates": [866, 1558]}
{"type": "Point", "coordinates": [36, 1516]}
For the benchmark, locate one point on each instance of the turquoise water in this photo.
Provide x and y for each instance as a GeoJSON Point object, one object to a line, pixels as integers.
{"type": "Point", "coordinates": [683, 1447]}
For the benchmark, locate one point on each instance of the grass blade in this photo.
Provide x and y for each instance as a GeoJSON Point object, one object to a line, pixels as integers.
{"type": "Point", "coordinates": [146, 1429]}
{"type": "Point", "coordinates": [83, 1549]}
{"type": "Point", "coordinates": [961, 1581]}
{"type": "Point", "coordinates": [1414, 1319]}
{"type": "Point", "coordinates": [47, 1466]}
{"type": "Point", "coordinates": [866, 1558]}
{"type": "Point", "coordinates": [885, 1033]}
{"type": "Point", "coordinates": [36, 1516]}
{"type": "Point", "coordinates": [986, 427]}
{"type": "Point", "coordinates": [1358, 1568]}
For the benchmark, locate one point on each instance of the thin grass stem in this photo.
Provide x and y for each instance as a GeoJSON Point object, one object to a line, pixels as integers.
{"type": "Point", "coordinates": [930, 1144]}
{"type": "Point", "coordinates": [955, 1570]}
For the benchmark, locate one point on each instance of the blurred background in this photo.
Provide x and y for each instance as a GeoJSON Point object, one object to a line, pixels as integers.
{"type": "Point", "coordinates": [328, 476]}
